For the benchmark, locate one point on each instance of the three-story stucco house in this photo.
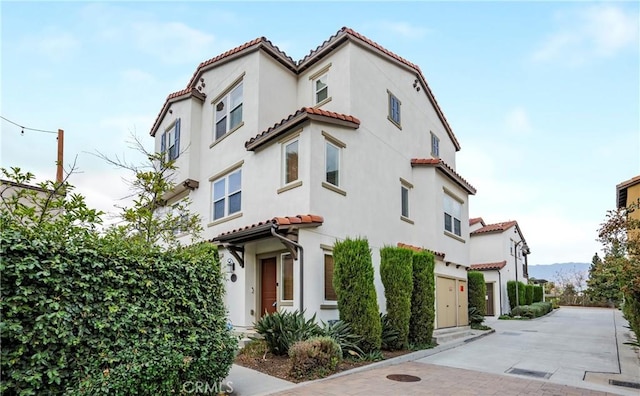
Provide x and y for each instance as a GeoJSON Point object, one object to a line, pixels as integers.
{"type": "Point", "coordinates": [284, 158]}
{"type": "Point", "coordinates": [500, 251]}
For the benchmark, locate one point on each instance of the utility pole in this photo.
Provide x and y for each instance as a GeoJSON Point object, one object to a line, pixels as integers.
{"type": "Point", "coordinates": [59, 162]}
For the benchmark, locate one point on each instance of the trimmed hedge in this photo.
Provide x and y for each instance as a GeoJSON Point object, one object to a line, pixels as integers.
{"type": "Point", "coordinates": [396, 271]}
{"type": "Point", "coordinates": [511, 292]}
{"type": "Point", "coordinates": [353, 282]}
{"type": "Point", "coordinates": [528, 294]}
{"type": "Point", "coordinates": [538, 293]}
{"type": "Point", "coordinates": [534, 310]}
{"type": "Point", "coordinates": [423, 298]}
{"type": "Point", "coordinates": [477, 292]}
{"type": "Point", "coordinates": [106, 315]}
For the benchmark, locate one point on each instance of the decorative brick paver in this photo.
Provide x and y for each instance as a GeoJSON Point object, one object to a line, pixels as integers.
{"type": "Point", "coordinates": [435, 380]}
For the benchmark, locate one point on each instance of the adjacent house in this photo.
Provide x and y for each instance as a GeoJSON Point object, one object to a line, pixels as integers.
{"type": "Point", "coordinates": [500, 251]}
{"type": "Point", "coordinates": [283, 158]}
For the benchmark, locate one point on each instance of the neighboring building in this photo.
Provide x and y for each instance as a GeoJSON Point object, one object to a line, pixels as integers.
{"type": "Point", "coordinates": [500, 251]}
{"type": "Point", "coordinates": [628, 193]}
{"type": "Point", "coordinates": [283, 158]}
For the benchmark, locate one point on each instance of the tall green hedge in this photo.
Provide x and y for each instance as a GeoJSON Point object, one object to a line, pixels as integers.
{"type": "Point", "coordinates": [511, 292]}
{"type": "Point", "coordinates": [423, 298]}
{"type": "Point", "coordinates": [396, 271]}
{"type": "Point", "coordinates": [477, 291]}
{"type": "Point", "coordinates": [538, 293]}
{"type": "Point", "coordinates": [353, 282]}
{"type": "Point", "coordinates": [528, 294]}
{"type": "Point", "coordinates": [90, 314]}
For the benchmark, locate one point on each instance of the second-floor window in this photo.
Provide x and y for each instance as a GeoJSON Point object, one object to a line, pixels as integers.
{"type": "Point", "coordinates": [290, 154]}
{"type": "Point", "coordinates": [394, 109]}
{"type": "Point", "coordinates": [435, 145]}
{"type": "Point", "coordinates": [452, 215]}
{"type": "Point", "coordinates": [332, 164]}
{"type": "Point", "coordinates": [228, 112]}
{"type": "Point", "coordinates": [170, 144]}
{"type": "Point", "coordinates": [321, 89]}
{"type": "Point", "coordinates": [227, 195]}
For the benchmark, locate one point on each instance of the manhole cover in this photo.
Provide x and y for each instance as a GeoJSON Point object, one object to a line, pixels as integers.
{"type": "Point", "coordinates": [529, 373]}
{"type": "Point", "coordinates": [403, 378]}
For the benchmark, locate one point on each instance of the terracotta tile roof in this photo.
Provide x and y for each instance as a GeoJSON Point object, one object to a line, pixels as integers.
{"type": "Point", "coordinates": [419, 249]}
{"type": "Point", "coordinates": [476, 220]}
{"type": "Point", "coordinates": [314, 56]}
{"type": "Point", "coordinates": [306, 220]}
{"type": "Point", "coordinates": [497, 227]}
{"type": "Point", "coordinates": [174, 97]}
{"type": "Point", "coordinates": [300, 116]}
{"type": "Point", "coordinates": [488, 266]}
{"type": "Point", "coordinates": [446, 169]}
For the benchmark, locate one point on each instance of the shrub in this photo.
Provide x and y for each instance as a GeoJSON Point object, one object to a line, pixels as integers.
{"type": "Point", "coordinates": [422, 318]}
{"type": "Point", "coordinates": [396, 271]}
{"type": "Point", "coordinates": [282, 329]}
{"type": "Point", "coordinates": [341, 333]}
{"type": "Point", "coordinates": [477, 296]}
{"type": "Point", "coordinates": [538, 293]}
{"type": "Point", "coordinates": [389, 333]}
{"type": "Point", "coordinates": [528, 294]}
{"type": "Point", "coordinates": [353, 283]}
{"type": "Point", "coordinates": [511, 292]}
{"type": "Point", "coordinates": [315, 357]}
{"type": "Point", "coordinates": [534, 310]}
{"type": "Point", "coordinates": [255, 348]}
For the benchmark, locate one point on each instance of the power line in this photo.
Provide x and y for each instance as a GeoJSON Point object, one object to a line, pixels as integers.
{"type": "Point", "coordinates": [26, 128]}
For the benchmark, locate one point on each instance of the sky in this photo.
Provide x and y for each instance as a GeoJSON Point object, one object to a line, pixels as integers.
{"type": "Point", "coordinates": [544, 97]}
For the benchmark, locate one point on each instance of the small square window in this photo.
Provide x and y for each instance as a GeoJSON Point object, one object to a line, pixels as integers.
{"type": "Point", "coordinates": [394, 109]}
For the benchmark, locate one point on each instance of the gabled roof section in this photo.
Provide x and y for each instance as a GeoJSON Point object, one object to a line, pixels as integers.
{"type": "Point", "coordinates": [446, 169]}
{"type": "Point", "coordinates": [496, 227]}
{"type": "Point", "coordinates": [172, 98]}
{"type": "Point", "coordinates": [419, 249]}
{"type": "Point", "coordinates": [297, 118]}
{"type": "Point", "coordinates": [476, 220]}
{"type": "Point", "coordinates": [621, 191]}
{"type": "Point", "coordinates": [262, 229]}
{"type": "Point", "coordinates": [488, 266]}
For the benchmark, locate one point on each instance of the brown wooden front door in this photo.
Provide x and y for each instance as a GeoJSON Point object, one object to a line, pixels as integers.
{"type": "Point", "coordinates": [268, 286]}
{"type": "Point", "coordinates": [490, 299]}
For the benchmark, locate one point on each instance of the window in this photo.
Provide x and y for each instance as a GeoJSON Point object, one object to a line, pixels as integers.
{"type": "Point", "coordinates": [170, 143]}
{"type": "Point", "coordinates": [435, 145]}
{"type": "Point", "coordinates": [290, 153]}
{"type": "Point", "coordinates": [394, 109]}
{"type": "Point", "coordinates": [404, 196]}
{"type": "Point", "coordinates": [452, 215]}
{"type": "Point", "coordinates": [321, 89]}
{"type": "Point", "coordinates": [329, 291]}
{"type": "Point", "coordinates": [332, 164]}
{"type": "Point", "coordinates": [227, 195]}
{"type": "Point", "coordinates": [180, 217]}
{"type": "Point", "coordinates": [228, 112]}
{"type": "Point", "coordinates": [286, 292]}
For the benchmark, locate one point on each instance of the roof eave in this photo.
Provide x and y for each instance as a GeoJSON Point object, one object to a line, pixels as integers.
{"type": "Point", "coordinates": [169, 101]}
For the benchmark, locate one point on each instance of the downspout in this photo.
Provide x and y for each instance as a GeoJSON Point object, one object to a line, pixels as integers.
{"type": "Point", "coordinates": [500, 290]}
{"type": "Point", "coordinates": [287, 242]}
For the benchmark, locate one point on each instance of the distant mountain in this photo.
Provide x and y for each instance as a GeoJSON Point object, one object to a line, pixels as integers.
{"type": "Point", "coordinates": [550, 271]}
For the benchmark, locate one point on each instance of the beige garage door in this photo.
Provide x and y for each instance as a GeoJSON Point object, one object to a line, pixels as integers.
{"type": "Point", "coordinates": [445, 302]}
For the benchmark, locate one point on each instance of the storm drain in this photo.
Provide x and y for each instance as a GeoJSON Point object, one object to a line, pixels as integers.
{"type": "Point", "coordinates": [510, 333]}
{"type": "Point", "coordinates": [627, 384]}
{"type": "Point", "coordinates": [403, 378]}
{"type": "Point", "coordinates": [529, 373]}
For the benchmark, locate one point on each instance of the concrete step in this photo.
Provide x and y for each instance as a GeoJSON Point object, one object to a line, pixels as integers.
{"type": "Point", "coordinates": [443, 336]}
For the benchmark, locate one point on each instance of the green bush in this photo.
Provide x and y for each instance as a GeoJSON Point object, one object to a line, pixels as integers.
{"type": "Point", "coordinates": [341, 332]}
{"type": "Point", "coordinates": [423, 315]}
{"type": "Point", "coordinates": [109, 312]}
{"type": "Point", "coordinates": [538, 293]}
{"type": "Point", "coordinates": [528, 294]}
{"type": "Point", "coordinates": [315, 357]}
{"type": "Point", "coordinates": [282, 329]}
{"type": "Point", "coordinates": [353, 283]}
{"type": "Point", "coordinates": [511, 292]}
{"type": "Point", "coordinates": [534, 310]}
{"type": "Point", "coordinates": [255, 348]}
{"type": "Point", "coordinates": [477, 296]}
{"type": "Point", "coordinates": [396, 271]}
{"type": "Point", "coordinates": [389, 336]}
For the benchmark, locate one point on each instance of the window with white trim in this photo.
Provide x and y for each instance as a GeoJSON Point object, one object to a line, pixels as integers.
{"type": "Point", "coordinates": [290, 161]}
{"type": "Point", "coordinates": [435, 145]}
{"type": "Point", "coordinates": [332, 163]}
{"type": "Point", "coordinates": [170, 144]}
{"type": "Point", "coordinates": [320, 89]}
{"type": "Point", "coordinates": [452, 215]}
{"type": "Point", "coordinates": [286, 277]}
{"type": "Point", "coordinates": [404, 197]}
{"type": "Point", "coordinates": [228, 112]}
{"type": "Point", "coordinates": [394, 109]}
{"type": "Point", "coordinates": [227, 195]}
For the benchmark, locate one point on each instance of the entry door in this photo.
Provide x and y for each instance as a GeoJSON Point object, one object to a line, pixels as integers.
{"type": "Point", "coordinates": [463, 303]}
{"type": "Point", "coordinates": [268, 286]}
{"type": "Point", "coordinates": [446, 304]}
{"type": "Point", "coordinates": [490, 299]}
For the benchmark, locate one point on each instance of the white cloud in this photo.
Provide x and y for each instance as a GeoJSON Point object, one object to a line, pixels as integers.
{"type": "Point", "coordinates": [596, 31]}
{"type": "Point", "coordinates": [55, 45]}
{"type": "Point", "coordinates": [517, 122]}
{"type": "Point", "coordinates": [172, 42]}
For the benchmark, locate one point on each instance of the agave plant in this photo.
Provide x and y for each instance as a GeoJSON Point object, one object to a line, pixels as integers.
{"type": "Point", "coordinates": [282, 329]}
{"type": "Point", "coordinates": [389, 333]}
{"type": "Point", "coordinates": [341, 332]}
